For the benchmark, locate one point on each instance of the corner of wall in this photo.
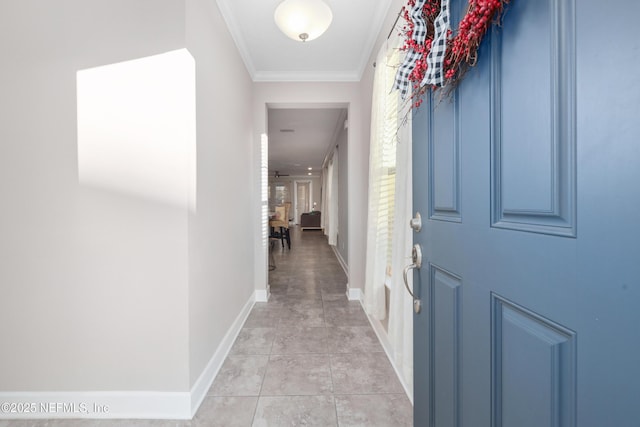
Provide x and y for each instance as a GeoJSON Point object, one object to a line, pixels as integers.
{"type": "Point", "coordinates": [208, 375]}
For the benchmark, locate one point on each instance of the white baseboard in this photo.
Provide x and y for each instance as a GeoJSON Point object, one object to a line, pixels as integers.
{"type": "Point", "coordinates": [383, 337]}
{"type": "Point", "coordinates": [341, 260]}
{"type": "Point", "coordinates": [204, 381]}
{"type": "Point", "coordinates": [123, 404]}
{"type": "Point", "coordinates": [262, 295]}
{"type": "Point", "coordinates": [354, 294]}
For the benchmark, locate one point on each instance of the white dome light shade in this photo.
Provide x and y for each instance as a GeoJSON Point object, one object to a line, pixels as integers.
{"type": "Point", "coordinates": [303, 20]}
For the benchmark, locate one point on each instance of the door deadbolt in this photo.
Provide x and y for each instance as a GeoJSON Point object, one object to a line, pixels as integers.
{"type": "Point", "coordinates": [416, 222]}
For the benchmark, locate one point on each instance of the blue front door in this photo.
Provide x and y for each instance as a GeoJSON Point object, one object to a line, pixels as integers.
{"type": "Point", "coordinates": [528, 182]}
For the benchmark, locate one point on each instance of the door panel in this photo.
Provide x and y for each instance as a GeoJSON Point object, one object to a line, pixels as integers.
{"type": "Point", "coordinates": [533, 138]}
{"type": "Point", "coordinates": [533, 351]}
{"type": "Point", "coordinates": [526, 176]}
{"type": "Point", "coordinates": [527, 182]}
{"type": "Point", "coordinates": [444, 160]}
{"type": "Point", "coordinates": [445, 312]}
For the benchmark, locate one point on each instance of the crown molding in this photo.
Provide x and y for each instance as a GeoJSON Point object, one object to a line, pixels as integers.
{"type": "Point", "coordinates": [377, 23]}
{"type": "Point", "coordinates": [236, 35]}
{"type": "Point", "coordinates": [305, 76]}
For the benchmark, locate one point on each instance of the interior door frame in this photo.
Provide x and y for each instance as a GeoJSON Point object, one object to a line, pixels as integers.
{"type": "Point", "coordinates": [296, 218]}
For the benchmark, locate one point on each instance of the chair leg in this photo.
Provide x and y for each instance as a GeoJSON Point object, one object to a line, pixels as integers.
{"type": "Point", "coordinates": [288, 239]}
{"type": "Point", "coordinates": [282, 236]}
{"type": "Point", "coordinates": [272, 260]}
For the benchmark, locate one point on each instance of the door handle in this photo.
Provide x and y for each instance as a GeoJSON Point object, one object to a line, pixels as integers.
{"type": "Point", "coordinates": [416, 255]}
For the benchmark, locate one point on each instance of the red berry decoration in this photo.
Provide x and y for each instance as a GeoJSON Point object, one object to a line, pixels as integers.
{"type": "Point", "coordinates": [462, 46]}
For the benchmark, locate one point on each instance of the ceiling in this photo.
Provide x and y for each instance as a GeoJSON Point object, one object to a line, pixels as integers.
{"type": "Point", "coordinates": [300, 139]}
{"type": "Point", "coordinates": [339, 55]}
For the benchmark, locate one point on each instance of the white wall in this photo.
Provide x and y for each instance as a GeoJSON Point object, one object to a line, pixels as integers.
{"type": "Point", "coordinates": [102, 289]}
{"type": "Point", "coordinates": [88, 274]}
{"type": "Point", "coordinates": [219, 233]}
{"type": "Point", "coordinates": [336, 95]}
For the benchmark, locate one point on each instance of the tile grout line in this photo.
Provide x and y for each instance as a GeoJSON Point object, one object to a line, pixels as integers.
{"type": "Point", "coordinates": [333, 386]}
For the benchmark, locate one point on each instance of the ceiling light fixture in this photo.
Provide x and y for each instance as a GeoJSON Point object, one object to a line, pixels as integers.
{"type": "Point", "coordinates": [303, 20]}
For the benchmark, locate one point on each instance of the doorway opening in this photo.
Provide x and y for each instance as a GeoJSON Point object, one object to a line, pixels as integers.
{"type": "Point", "coordinates": [302, 199]}
{"type": "Point", "coordinates": [303, 141]}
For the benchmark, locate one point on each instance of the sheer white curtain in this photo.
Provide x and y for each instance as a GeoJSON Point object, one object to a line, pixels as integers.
{"type": "Point", "coordinates": [383, 139]}
{"type": "Point", "coordinates": [333, 201]}
{"type": "Point", "coordinates": [329, 217]}
{"type": "Point", "coordinates": [401, 304]}
{"type": "Point", "coordinates": [389, 238]}
{"type": "Point", "coordinates": [325, 203]}
{"type": "Point", "coordinates": [327, 209]}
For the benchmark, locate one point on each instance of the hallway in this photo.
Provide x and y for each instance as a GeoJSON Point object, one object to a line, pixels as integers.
{"type": "Point", "coordinates": [308, 357]}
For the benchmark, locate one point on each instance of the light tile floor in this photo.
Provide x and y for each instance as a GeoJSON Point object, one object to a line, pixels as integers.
{"type": "Point", "coordinates": [308, 357]}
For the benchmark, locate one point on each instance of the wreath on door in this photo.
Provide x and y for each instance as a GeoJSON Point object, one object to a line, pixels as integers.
{"type": "Point", "coordinates": [436, 56]}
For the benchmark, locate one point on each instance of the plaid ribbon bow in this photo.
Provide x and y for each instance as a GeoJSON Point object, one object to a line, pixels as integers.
{"type": "Point", "coordinates": [402, 82]}
{"type": "Point", "coordinates": [435, 59]}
